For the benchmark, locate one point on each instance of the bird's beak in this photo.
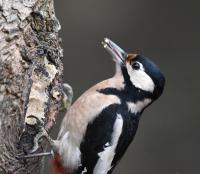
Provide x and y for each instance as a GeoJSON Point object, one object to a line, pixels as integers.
{"type": "Point", "coordinates": [118, 54]}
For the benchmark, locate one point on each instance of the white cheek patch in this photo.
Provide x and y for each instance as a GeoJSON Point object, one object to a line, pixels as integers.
{"type": "Point", "coordinates": [140, 78]}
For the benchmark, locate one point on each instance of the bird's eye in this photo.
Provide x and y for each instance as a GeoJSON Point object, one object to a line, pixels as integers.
{"type": "Point", "coordinates": [136, 65]}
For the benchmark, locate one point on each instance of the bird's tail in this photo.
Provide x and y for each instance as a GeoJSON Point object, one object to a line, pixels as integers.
{"type": "Point", "coordinates": [57, 165]}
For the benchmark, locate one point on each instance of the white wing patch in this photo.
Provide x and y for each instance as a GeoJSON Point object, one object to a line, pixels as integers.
{"type": "Point", "coordinates": [103, 165]}
{"type": "Point", "coordinates": [107, 144]}
{"type": "Point", "coordinates": [140, 78]}
{"type": "Point", "coordinates": [84, 171]}
{"type": "Point", "coordinates": [138, 106]}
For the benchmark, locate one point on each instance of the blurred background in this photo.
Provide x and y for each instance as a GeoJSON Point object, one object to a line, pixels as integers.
{"type": "Point", "coordinates": [168, 138]}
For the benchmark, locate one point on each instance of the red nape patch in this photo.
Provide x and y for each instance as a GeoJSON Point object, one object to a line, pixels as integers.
{"type": "Point", "coordinates": [57, 166]}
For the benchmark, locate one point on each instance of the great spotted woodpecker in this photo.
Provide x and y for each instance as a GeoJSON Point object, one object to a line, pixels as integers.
{"type": "Point", "coordinates": [100, 125]}
{"type": "Point", "coordinates": [98, 128]}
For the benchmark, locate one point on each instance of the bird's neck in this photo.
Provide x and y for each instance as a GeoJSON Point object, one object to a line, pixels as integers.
{"type": "Point", "coordinates": [121, 86]}
{"type": "Point", "coordinates": [118, 70]}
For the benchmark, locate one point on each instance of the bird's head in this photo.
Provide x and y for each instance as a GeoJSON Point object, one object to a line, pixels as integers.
{"type": "Point", "coordinates": [138, 71]}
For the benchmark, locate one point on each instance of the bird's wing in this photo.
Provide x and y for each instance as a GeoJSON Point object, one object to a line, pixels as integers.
{"type": "Point", "coordinates": [130, 125]}
{"type": "Point", "coordinates": [100, 141]}
{"type": "Point", "coordinates": [106, 140]}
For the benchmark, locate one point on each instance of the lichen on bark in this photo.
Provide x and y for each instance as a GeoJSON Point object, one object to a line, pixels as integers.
{"type": "Point", "coordinates": [30, 78]}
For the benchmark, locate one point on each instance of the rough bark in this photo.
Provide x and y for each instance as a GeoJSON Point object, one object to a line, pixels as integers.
{"type": "Point", "coordinates": [30, 78]}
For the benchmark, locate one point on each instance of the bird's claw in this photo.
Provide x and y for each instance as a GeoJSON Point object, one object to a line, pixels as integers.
{"type": "Point", "coordinates": [42, 133]}
{"type": "Point", "coordinates": [35, 143]}
{"type": "Point", "coordinates": [67, 96]}
{"type": "Point", "coordinates": [31, 153]}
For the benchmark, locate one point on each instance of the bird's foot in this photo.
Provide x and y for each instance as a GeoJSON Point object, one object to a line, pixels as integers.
{"type": "Point", "coordinates": [67, 97]}
{"type": "Point", "coordinates": [41, 134]}
{"type": "Point", "coordinates": [32, 153]}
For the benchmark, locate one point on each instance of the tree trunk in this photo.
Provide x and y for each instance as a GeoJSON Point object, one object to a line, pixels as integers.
{"type": "Point", "coordinates": [30, 79]}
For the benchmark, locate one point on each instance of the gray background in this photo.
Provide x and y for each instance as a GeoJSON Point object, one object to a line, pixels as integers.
{"type": "Point", "coordinates": [168, 138]}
